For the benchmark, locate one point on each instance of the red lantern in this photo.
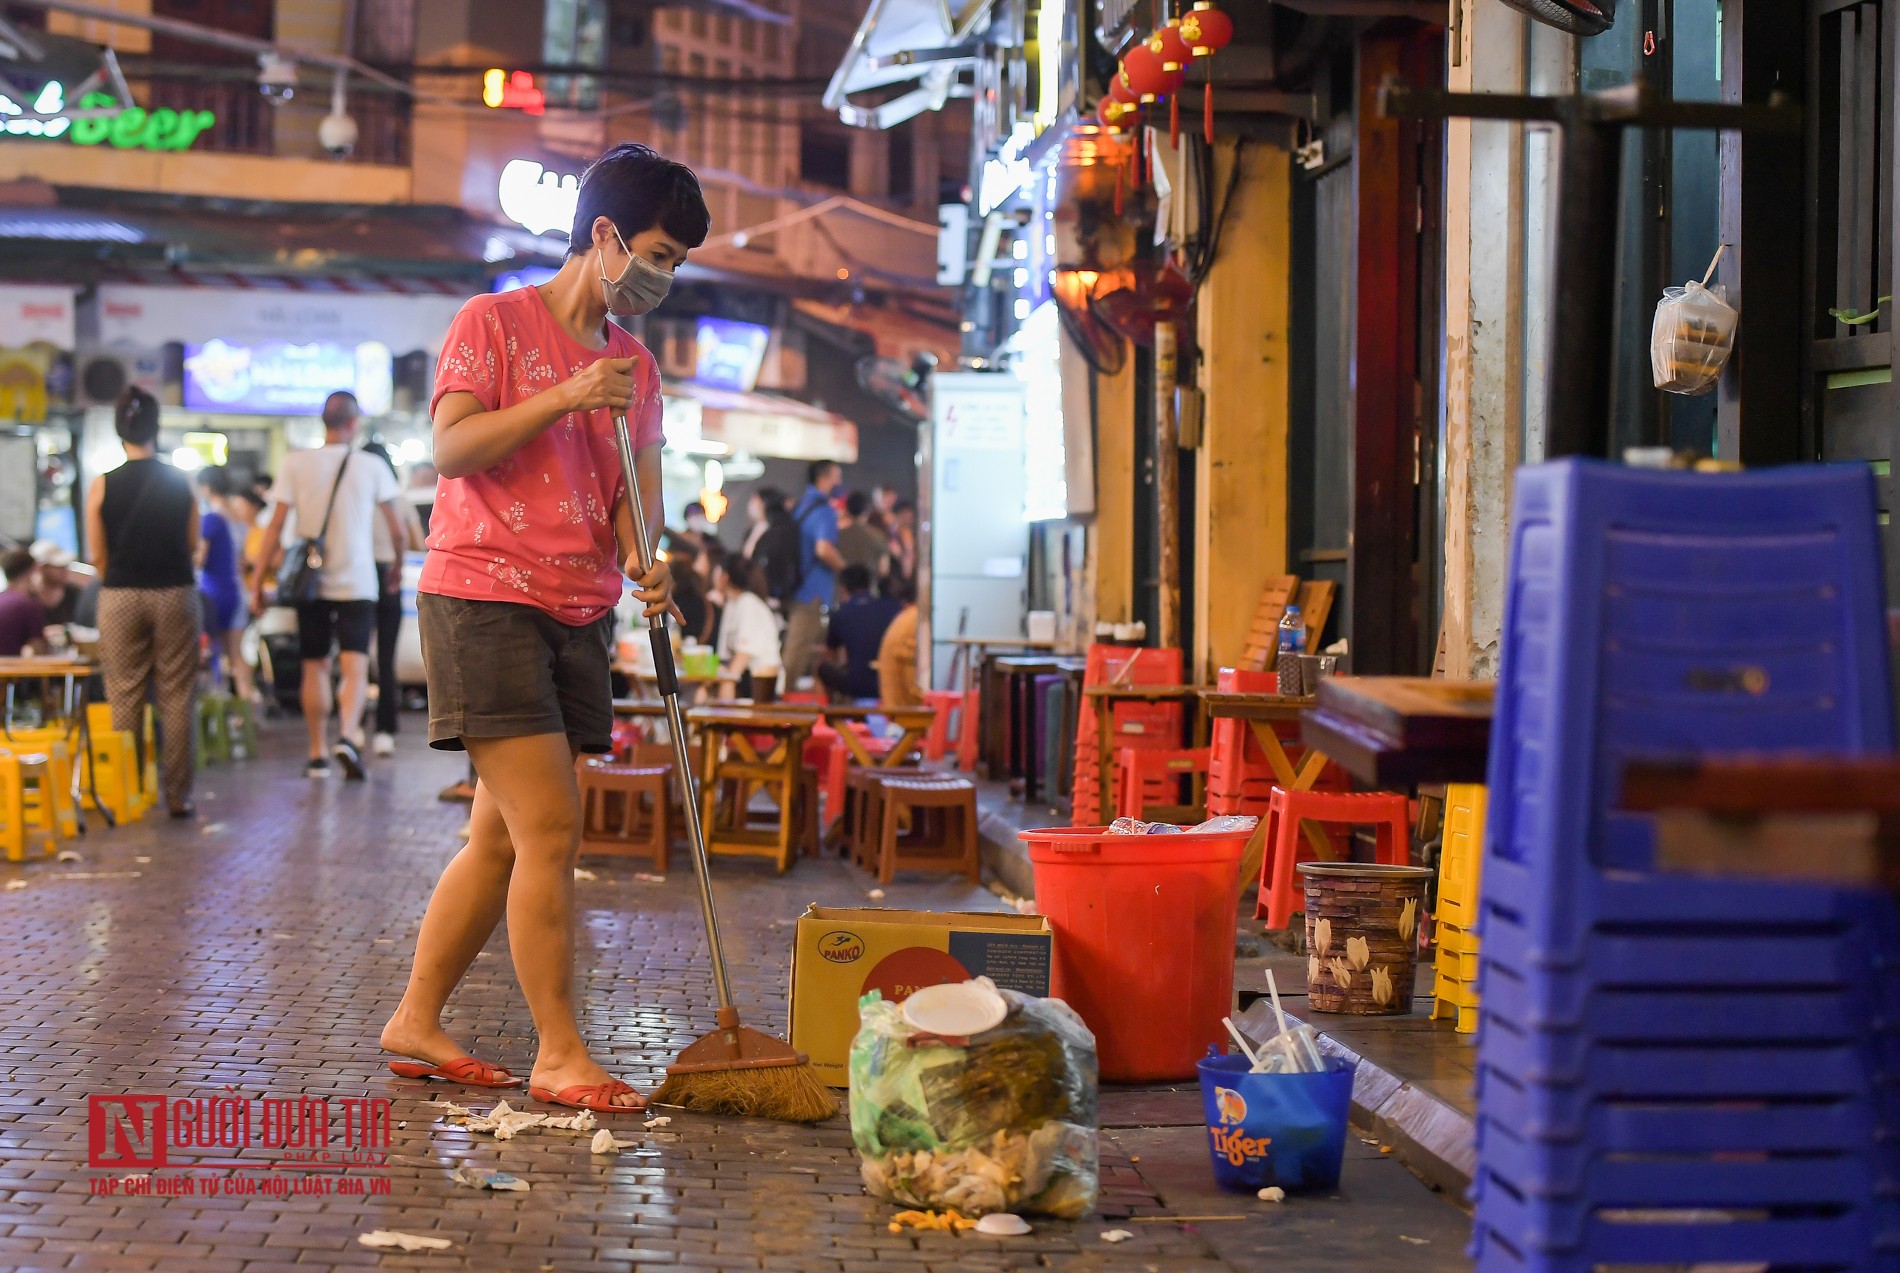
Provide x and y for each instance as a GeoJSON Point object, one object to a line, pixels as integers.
{"type": "Point", "coordinates": [1119, 90]}
{"type": "Point", "coordinates": [1112, 113]}
{"type": "Point", "coordinates": [1143, 70]}
{"type": "Point", "coordinates": [1205, 29]}
{"type": "Point", "coordinates": [1170, 47]}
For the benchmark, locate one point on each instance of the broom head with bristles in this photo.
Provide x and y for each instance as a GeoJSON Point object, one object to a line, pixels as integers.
{"type": "Point", "coordinates": [738, 1070]}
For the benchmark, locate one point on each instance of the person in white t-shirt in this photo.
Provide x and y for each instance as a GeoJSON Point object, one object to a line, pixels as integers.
{"type": "Point", "coordinates": [348, 490]}
{"type": "Point", "coordinates": [749, 656]}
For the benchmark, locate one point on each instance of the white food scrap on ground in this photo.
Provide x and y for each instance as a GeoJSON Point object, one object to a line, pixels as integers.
{"type": "Point", "coordinates": [604, 1143]}
{"type": "Point", "coordinates": [1415, 1241]}
{"type": "Point", "coordinates": [658, 1120]}
{"type": "Point", "coordinates": [1002, 1224]}
{"type": "Point", "coordinates": [1273, 1193]}
{"type": "Point", "coordinates": [504, 1122]}
{"type": "Point", "coordinates": [582, 873]}
{"type": "Point", "coordinates": [15, 885]}
{"type": "Point", "coordinates": [391, 1239]}
{"type": "Point", "coordinates": [1117, 1235]}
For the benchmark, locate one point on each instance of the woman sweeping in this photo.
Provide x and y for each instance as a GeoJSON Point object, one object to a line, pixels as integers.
{"type": "Point", "coordinates": [531, 532]}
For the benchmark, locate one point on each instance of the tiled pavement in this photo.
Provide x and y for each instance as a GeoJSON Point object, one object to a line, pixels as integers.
{"type": "Point", "coordinates": [260, 949]}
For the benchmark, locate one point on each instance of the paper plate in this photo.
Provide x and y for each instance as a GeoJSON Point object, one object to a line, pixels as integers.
{"type": "Point", "coordinates": [956, 1009]}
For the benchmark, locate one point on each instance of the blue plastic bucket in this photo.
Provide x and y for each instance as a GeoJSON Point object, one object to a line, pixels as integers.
{"type": "Point", "coordinates": [1275, 1129]}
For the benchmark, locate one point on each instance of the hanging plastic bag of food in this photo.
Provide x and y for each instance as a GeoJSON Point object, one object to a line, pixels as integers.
{"type": "Point", "coordinates": [1002, 1118]}
{"type": "Point", "coordinates": [1693, 335]}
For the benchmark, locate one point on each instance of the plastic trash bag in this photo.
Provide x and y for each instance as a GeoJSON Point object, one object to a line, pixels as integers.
{"type": "Point", "coordinates": [1002, 1121]}
{"type": "Point", "coordinates": [1692, 337]}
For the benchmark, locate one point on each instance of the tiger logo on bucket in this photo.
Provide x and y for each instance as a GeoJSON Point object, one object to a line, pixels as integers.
{"type": "Point", "coordinates": [1231, 1104]}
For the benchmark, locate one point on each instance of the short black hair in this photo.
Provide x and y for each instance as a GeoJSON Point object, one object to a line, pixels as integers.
{"type": "Point", "coordinates": [637, 188]}
{"type": "Point", "coordinates": [816, 469]}
{"type": "Point", "coordinates": [216, 480]}
{"type": "Point", "coordinates": [857, 503]}
{"type": "Point", "coordinates": [854, 578]}
{"type": "Point", "coordinates": [135, 415]}
{"type": "Point", "coordinates": [340, 408]}
{"type": "Point", "coordinates": [264, 480]}
{"type": "Point", "coordinates": [16, 563]}
{"type": "Point", "coordinates": [904, 506]}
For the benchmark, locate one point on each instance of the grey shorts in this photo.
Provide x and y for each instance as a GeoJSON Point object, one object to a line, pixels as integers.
{"type": "Point", "coordinates": [501, 670]}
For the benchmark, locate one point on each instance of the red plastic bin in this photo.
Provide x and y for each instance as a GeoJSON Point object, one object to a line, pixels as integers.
{"type": "Point", "coordinates": [1144, 950]}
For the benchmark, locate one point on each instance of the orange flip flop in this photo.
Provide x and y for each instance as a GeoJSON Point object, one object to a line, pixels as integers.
{"type": "Point", "coordinates": [597, 1097]}
{"type": "Point", "coordinates": [465, 1070]}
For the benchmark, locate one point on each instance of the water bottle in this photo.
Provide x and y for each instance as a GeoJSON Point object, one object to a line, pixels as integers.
{"type": "Point", "coordinates": [1292, 631]}
{"type": "Point", "coordinates": [1292, 645]}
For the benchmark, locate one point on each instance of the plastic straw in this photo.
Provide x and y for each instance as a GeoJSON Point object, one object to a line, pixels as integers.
{"type": "Point", "coordinates": [1720, 249]}
{"type": "Point", "coordinates": [1274, 990]}
{"type": "Point", "coordinates": [1240, 1039]}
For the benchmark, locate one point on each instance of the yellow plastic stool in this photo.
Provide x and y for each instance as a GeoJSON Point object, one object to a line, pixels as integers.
{"type": "Point", "coordinates": [109, 775]}
{"type": "Point", "coordinates": [1460, 869]}
{"type": "Point", "coordinates": [30, 775]}
{"type": "Point", "coordinates": [13, 809]}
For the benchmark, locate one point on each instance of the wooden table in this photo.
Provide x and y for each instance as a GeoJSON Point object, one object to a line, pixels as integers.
{"type": "Point", "coordinates": [1005, 711]}
{"type": "Point", "coordinates": [1394, 732]}
{"type": "Point", "coordinates": [914, 722]}
{"type": "Point", "coordinates": [729, 754]}
{"type": "Point", "coordinates": [74, 676]}
{"type": "Point", "coordinates": [1262, 712]}
{"type": "Point", "coordinates": [1105, 699]}
{"type": "Point", "coordinates": [970, 651]}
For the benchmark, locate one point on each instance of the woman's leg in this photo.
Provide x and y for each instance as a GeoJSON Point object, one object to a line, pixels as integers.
{"type": "Point", "coordinates": [532, 781]}
{"type": "Point", "coordinates": [388, 631]}
{"type": "Point", "coordinates": [242, 677]}
{"type": "Point", "coordinates": [467, 904]}
{"type": "Point", "coordinates": [125, 647]}
{"type": "Point", "coordinates": [175, 612]}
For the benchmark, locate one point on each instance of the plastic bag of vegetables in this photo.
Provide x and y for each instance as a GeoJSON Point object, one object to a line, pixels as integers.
{"type": "Point", "coordinates": [974, 1098]}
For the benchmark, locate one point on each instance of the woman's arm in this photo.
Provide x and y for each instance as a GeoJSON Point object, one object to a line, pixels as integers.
{"type": "Point", "coordinates": [469, 438]}
{"type": "Point", "coordinates": [96, 523]}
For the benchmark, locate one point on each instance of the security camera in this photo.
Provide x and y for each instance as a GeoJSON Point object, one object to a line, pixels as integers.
{"type": "Point", "coordinates": [276, 78]}
{"type": "Point", "coordinates": [337, 134]}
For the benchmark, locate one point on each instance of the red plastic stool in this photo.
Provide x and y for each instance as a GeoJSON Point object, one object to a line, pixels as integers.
{"type": "Point", "coordinates": [943, 702]}
{"type": "Point", "coordinates": [1139, 771]}
{"type": "Point", "coordinates": [967, 732]}
{"type": "Point", "coordinates": [1280, 894]}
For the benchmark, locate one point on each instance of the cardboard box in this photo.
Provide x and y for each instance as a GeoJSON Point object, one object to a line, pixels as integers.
{"type": "Point", "coordinates": [840, 953]}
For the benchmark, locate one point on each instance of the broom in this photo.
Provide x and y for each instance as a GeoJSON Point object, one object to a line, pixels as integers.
{"type": "Point", "coordinates": [733, 1070]}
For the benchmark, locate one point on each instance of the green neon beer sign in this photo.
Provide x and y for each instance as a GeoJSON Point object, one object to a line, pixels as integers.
{"type": "Point", "coordinates": [133, 128]}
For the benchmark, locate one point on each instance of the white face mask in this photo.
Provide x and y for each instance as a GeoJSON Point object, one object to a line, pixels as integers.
{"type": "Point", "coordinates": [639, 289]}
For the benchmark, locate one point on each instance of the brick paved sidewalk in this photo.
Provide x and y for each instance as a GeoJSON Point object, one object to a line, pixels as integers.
{"type": "Point", "coordinates": [260, 950]}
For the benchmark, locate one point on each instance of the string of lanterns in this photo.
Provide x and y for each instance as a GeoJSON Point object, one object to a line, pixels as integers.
{"type": "Point", "coordinates": [1157, 69]}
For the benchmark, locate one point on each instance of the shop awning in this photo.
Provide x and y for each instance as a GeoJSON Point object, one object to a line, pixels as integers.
{"type": "Point", "coordinates": [925, 42]}
{"type": "Point", "coordinates": [713, 422]}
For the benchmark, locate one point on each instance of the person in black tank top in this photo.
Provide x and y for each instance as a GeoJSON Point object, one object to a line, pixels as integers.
{"type": "Point", "coordinates": [142, 529]}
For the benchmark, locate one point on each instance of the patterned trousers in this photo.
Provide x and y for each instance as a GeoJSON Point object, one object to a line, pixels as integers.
{"type": "Point", "coordinates": [148, 642]}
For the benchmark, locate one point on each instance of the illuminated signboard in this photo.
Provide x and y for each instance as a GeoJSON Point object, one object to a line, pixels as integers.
{"type": "Point", "coordinates": [536, 199]}
{"type": "Point", "coordinates": [131, 128]}
{"type": "Point", "coordinates": [512, 90]}
{"type": "Point", "coordinates": [730, 354]}
{"type": "Point", "coordinates": [275, 377]}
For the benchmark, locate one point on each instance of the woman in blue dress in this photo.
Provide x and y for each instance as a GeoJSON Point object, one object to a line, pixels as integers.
{"type": "Point", "coordinates": [225, 615]}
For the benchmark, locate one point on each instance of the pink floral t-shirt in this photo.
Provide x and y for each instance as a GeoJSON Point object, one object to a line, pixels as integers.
{"type": "Point", "coordinates": [537, 528]}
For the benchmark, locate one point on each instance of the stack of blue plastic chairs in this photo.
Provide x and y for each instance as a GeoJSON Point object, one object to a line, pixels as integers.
{"type": "Point", "coordinates": [1679, 1069]}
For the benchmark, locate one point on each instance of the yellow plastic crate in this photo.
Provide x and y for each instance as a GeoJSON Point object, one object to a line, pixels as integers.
{"type": "Point", "coordinates": [1460, 865]}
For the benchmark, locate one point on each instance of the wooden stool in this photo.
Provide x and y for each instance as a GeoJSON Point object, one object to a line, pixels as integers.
{"type": "Point", "coordinates": [865, 813]}
{"type": "Point", "coordinates": [942, 827]}
{"type": "Point", "coordinates": [623, 811]}
{"type": "Point", "coordinates": [1280, 893]}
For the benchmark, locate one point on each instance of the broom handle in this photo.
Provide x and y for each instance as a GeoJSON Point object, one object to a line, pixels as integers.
{"type": "Point", "coordinates": [669, 685]}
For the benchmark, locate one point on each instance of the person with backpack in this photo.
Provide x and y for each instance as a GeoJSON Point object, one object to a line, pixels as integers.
{"type": "Point", "coordinates": [809, 594]}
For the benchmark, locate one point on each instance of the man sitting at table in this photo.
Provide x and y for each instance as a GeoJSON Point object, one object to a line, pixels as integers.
{"type": "Point", "coordinates": [851, 642]}
{"type": "Point", "coordinates": [22, 616]}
